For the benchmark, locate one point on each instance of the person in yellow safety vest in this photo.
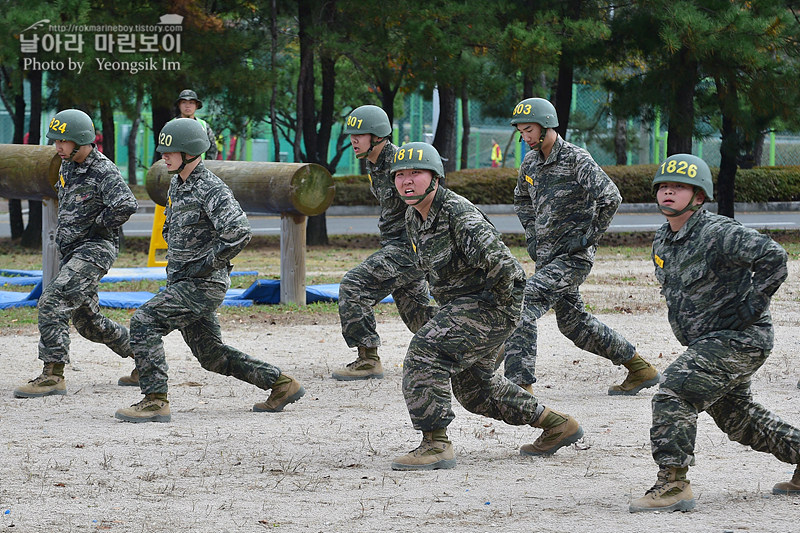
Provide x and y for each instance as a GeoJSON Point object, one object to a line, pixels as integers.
{"type": "Point", "coordinates": [186, 105]}
{"type": "Point", "coordinates": [497, 154]}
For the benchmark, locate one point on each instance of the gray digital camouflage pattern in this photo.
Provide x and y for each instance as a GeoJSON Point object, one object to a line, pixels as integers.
{"type": "Point", "coordinates": [93, 202]}
{"type": "Point", "coordinates": [390, 270]}
{"type": "Point", "coordinates": [710, 265]}
{"type": "Point", "coordinates": [559, 201]}
{"type": "Point", "coordinates": [205, 228]}
{"type": "Point", "coordinates": [479, 285]}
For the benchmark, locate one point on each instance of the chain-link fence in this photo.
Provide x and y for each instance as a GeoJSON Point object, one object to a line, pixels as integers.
{"type": "Point", "coordinates": [591, 126]}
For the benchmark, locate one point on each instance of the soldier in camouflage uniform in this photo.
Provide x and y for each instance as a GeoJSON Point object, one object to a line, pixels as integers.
{"type": "Point", "coordinates": [93, 202]}
{"type": "Point", "coordinates": [717, 278]}
{"type": "Point", "coordinates": [390, 270]}
{"type": "Point", "coordinates": [479, 286]}
{"type": "Point", "coordinates": [565, 202]}
{"type": "Point", "coordinates": [204, 229]}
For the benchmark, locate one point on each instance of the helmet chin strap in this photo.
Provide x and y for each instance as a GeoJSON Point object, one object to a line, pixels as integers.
{"type": "Point", "coordinates": [538, 145]}
{"type": "Point", "coordinates": [670, 212]}
{"type": "Point", "coordinates": [372, 144]}
{"type": "Point", "coordinates": [420, 197]}
{"type": "Point", "coordinates": [184, 162]}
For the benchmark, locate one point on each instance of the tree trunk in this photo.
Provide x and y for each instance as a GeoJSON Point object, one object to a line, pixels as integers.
{"type": "Point", "coordinates": [108, 133]}
{"type": "Point", "coordinates": [444, 141]}
{"type": "Point", "coordinates": [32, 236]}
{"type": "Point", "coordinates": [15, 219]}
{"type": "Point", "coordinates": [273, 113]}
{"type": "Point", "coordinates": [681, 112]}
{"type": "Point", "coordinates": [465, 128]}
{"type": "Point", "coordinates": [728, 149]}
{"type": "Point", "coordinates": [563, 98]}
{"type": "Point", "coordinates": [132, 136]}
{"type": "Point", "coordinates": [162, 111]}
{"type": "Point", "coordinates": [621, 141]}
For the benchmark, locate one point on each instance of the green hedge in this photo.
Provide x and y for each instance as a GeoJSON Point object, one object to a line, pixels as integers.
{"type": "Point", "coordinates": [496, 185]}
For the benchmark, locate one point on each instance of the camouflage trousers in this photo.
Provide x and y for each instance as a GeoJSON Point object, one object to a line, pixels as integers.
{"type": "Point", "coordinates": [555, 285]}
{"type": "Point", "coordinates": [459, 345]}
{"type": "Point", "coordinates": [73, 295]}
{"type": "Point", "coordinates": [713, 375]}
{"type": "Point", "coordinates": [190, 306]}
{"type": "Point", "coordinates": [390, 270]}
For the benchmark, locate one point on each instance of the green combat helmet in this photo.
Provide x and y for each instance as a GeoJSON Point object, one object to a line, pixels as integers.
{"type": "Point", "coordinates": [418, 156]}
{"type": "Point", "coordinates": [688, 169]}
{"type": "Point", "coordinates": [71, 125]}
{"type": "Point", "coordinates": [184, 135]}
{"type": "Point", "coordinates": [536, 111]}
{"type": "Point", "coordinates": [368, 119]}
{"type": "Point", "coordinates": [188, 94]}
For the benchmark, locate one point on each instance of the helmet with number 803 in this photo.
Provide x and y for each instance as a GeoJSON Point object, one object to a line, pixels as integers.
{"type": "Point", "coordinates": [368, 119]}
{"type": "Point", "coordinates": [183, 135]}
{"type": "Point", "coordinates": [535, 110]}
{"type": "Point", "coordinates": [71, 125]}
{"type": "Point", "coordinates": [688, 169]}
{"type": "Point", "coordinates": [418, 156]}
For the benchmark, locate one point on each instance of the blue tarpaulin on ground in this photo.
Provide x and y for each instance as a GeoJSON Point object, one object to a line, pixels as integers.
{"type": "Point", "coordinates": [114, 275]}
{"type": "Point", "coordinates": [262, 291]}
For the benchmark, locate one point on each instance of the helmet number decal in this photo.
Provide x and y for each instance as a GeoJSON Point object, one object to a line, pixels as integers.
{"type": "Point", "coordinates": [165, 139]}
{"type": "Point", "coordinates": [354, 122]}
{"type": "Point", "coordinates": [400, 155]}
{"type": "Point", "coordinates": [522, 109]}
{"type": "Point", "coordinates": [679, 167]}
{"type": "Point", "coordinates": [57, 125]}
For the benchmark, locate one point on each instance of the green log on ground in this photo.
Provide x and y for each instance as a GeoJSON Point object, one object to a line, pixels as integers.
{"type": "Point", "coordinates": [28, 171]}
{"type": "Point", "coordinates": [261, 187]}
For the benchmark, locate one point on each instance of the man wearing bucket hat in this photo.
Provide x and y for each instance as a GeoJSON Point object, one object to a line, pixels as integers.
{"type": "Point", "coordinates": [186, 105]}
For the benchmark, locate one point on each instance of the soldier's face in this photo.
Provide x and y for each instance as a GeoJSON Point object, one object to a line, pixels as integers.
{"type": "Point", "coordinates": [172, 159]}
{"type": "Point", "coordinates": [360, 142]}
{"type": "Point", "coordinates": [677, 195]}
{"type": "Point", "coordinates": [412, 182]}
{"type": "Point", "coordinates": [188, 107]}
{"type": "Point", "coordinates": [64, 148]}
{"type": "Point", "coordinates": [530, 132]}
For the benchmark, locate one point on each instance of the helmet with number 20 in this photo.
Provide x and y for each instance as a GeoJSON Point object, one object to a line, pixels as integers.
{"type": "Point", "coordinates": [183, 135]}
{"type": "Point", "coordinates": [688, 169]}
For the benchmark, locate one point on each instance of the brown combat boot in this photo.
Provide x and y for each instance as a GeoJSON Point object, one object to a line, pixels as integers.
{"type": "Point", "coordinates": [153, 408]}
{"type": "Point", "coordinates": [527, 387]}
{"type": "Point", "coordinates": [672, 492]}
{"type": "Point", "coordinates": [559, 430]}
{"type": "Point", "coordinates": [50, 382]}
{"type": "Point", "coordinates": [285, 390]}
{"type": "Point", "coordinates": [641, 375]}
{"type": "Point", "coordinates": [367, 366]}
{"type": "Point", "coordinates": [435, 452]}
{"type": "Point", "coordinates": [791, 487]}
{"type": "Point", "coordinates": [129, 381]}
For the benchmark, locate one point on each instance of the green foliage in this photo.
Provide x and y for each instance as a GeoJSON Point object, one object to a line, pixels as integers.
{"type": "Point", "coordinates": [496, 185]}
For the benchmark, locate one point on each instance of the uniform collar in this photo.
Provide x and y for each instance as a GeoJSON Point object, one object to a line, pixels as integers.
{"type": "Point", "coordinates": [680, 235]}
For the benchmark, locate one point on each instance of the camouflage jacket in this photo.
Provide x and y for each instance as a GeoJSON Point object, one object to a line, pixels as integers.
{"type": "Point", "coordinates": [393, 209]}
{"type": "Point", "coordinates": [205, 227]}
{"type": "Point", "coordinates": [711, 264]}
{"type": "Point", "coordinates": [93, 202]}
{"type": "Point", "coordinates": [563, 198]}
{"type": "Point", "coordinates": [462, 253]}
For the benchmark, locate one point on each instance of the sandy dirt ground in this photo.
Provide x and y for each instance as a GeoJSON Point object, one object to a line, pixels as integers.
{"type": "Point", "coordinates": [323, 464]}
